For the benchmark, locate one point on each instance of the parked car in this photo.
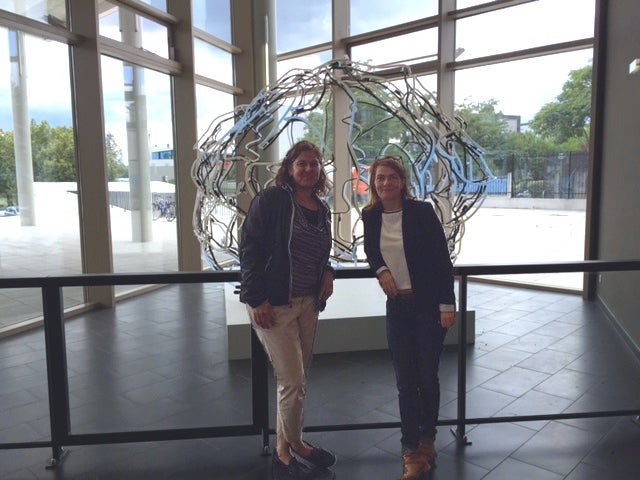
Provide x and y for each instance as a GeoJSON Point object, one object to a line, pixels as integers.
{"type": "Point", "coordinates": [9, 211]}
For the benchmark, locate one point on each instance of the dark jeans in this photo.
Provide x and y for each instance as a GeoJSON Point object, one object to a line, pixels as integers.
{"type": "Point", "coordinates": [415, 340]}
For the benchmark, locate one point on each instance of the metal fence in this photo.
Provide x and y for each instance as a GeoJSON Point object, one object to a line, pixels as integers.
{"type": "Point", "coordinates": [58, 381]}
{"type": "Point", "coordinates": [564, 175]}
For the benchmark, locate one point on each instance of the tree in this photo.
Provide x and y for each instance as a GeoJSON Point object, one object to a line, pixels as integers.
{"type": "Point", "coordinates": [320, 127]}
{"type": "Point", "coordinates": [54, 158]}
{"type": "Point", "coordinates": [488, 128]}
{"type": "Point", "coordinates": [8, 192]}
{"type": "Point", "coordinates": [53, 153]}
{"type": "Point", "coordinates": [60, 166]}
{"type": "Point", "coordinates": [115, 167]}
{"type": "Point", "coordinates": [373, 129]}
{"type": "Point", "coordinates": [484, 124]}
{"type": "Point", "coordinates": [566, 120]}
{"type": "Point", "coordinates": [40, 148]}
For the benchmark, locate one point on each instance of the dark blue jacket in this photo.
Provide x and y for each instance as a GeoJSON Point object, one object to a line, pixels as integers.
{"type": "Point", "coordinates": [265, 257]}
{"type": "Point", "coordinates": [425, 248]}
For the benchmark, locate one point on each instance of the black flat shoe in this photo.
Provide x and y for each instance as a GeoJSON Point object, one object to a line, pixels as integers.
{"type": "Point", "coordinates": [319, 457]}
{"type": "Point", "coordinates": [294, 471]}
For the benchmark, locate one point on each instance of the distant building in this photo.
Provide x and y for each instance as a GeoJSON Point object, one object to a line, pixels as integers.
{"type": "Point", "coordinates": [161, 166]}
{"type": "Point", "coordinates": [513, 123]}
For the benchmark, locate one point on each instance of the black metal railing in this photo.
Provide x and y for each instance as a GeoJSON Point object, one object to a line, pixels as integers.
{"type": "Point", "coordinates": [57, 375]}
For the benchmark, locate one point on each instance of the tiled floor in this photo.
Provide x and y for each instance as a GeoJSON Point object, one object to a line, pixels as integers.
{"type": "Point", "coordinates": [159, 361]}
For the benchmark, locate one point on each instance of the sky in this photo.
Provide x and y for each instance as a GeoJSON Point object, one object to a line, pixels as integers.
{"type": "Point", "coordinates": [521, 88]}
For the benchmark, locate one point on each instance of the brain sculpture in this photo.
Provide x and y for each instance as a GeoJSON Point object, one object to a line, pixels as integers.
{"type": "Point", "coordinates": [400, 118]}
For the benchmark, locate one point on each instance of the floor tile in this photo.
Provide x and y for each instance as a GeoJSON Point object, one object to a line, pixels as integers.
{"type": "Point", "coordinates": [511, 468]}
{"type": "Point", "coordinates": [159, 361]}
{"type": "Point", "coordinates": [557, 448]}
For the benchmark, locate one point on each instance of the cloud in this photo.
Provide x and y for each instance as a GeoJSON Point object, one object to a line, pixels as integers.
{"type": "Point", "coordinates": [520, 87]}
{"type": "Point", "coordinates": [48, 81]}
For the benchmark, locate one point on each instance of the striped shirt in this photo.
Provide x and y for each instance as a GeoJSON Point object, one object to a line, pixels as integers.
{"type": "Point", "coordinates": [310, 241]}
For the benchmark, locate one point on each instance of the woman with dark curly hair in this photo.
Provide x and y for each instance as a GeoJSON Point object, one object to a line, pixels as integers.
{"type": "Point", "coordinates": [285, 281]}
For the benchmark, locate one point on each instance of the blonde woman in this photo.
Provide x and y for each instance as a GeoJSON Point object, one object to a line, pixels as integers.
{"type": "Point", "coordinates": [406, 248]}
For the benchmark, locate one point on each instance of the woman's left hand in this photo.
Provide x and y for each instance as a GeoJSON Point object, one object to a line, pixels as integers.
{"type": "Point", "coordinates": [447, 319]}
{"type": "Point", "coordinates": [326, 286]}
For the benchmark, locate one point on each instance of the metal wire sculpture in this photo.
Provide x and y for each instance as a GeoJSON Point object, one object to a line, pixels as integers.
{"type": "Point", "coordinates": [400, 118]}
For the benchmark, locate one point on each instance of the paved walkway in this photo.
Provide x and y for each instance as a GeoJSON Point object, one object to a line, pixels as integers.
{"type": "Point", "coordinates": [502, 235]}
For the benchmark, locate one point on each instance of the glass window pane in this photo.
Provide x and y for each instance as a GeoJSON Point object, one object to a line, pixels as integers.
{"type": "Point", "coordinates": [367, 15]}
{"type": "Point", "coordinates": [46, 11]}
{"type": "Point", "coordinates": [159, 4]}
{"type": "Point", "coordinates": [520, 27]}
{"type": "Point", "coordinates": [211, 104]}
{"type": "Point", "coordinates": [39, 222]}
{"type": "Point", "coordinates": [538, 213]}
{"type": "Point", "coordinates": [302, 24]}
{"type": "Point", "coordinates": [139, 126]}
{"type": "Point", "coordinates": [214, 17]}
{"type": "Point", "coordinates": [424, 82]}
{"type": "Point", "coordinates": [516, 85]}
{"type": "Point", "coordinates": [213, 62]}
{"type": "Point", "coordinates": [404, 49]}
{"type": "Point", "coordinates": [469, 3]}
{"type": "Point", "coordinates": [215, 110]}
{"type": "Point", "coordinates": [123, 25]}
{"type": "Point", "coordinates": [306, 61]}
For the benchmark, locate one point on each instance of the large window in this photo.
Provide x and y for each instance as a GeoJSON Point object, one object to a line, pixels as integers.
{"type": "Point", "coordinates": [534, 131]}
{"type": "Point", "coordinates": [39, 229]}
{"type": "Point", "coordinates": [137, 103]}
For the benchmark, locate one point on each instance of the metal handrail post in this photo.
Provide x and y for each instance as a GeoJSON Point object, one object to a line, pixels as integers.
{"type": "Point", "coordinates": [260, 390]}
{"type": "Point", "coordinates": [459, 432]}
{"type": "Point", "coordinates": [57, 380]}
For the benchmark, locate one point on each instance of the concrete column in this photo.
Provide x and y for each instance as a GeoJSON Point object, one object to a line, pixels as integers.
{"type": "Point", "coordinates": [254, 68]}
{"type": "Point", "coordinates": [446, 77]}
{"type": "Point", "coordinates": [244, 70]}
{"type": "Point", "coordinates": [342, 223]}
{"type": "Point", "coordinates": [21, 129]}
{"type": "Point", "coordinates": [265, 66]}
{"type": "Point", "coordinates": [139, 154]}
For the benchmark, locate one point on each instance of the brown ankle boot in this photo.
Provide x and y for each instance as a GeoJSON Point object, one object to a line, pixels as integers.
{"type": "Point", "coordinates": [414, 466]}
{"type": "Point", "coordinates": [428, 451]}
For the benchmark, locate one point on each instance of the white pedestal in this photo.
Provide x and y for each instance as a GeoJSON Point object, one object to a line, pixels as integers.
{"type": "Point", "coordinates": [354, 320]}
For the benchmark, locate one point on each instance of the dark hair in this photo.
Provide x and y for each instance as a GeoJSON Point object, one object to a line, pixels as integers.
{"type": "Point", "coordinates": [283, 177]}
{"type": "Point", "coordinates": [395, 163]}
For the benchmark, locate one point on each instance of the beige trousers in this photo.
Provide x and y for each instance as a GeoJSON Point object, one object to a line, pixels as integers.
{"type": "Point", "coordinates": [289, 346]}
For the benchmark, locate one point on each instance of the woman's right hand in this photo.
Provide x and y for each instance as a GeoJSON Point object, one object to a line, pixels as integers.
{"type": "Point", "coordinates": [263, 315]}
{"type": "Point", "coordinates": [387, 283]}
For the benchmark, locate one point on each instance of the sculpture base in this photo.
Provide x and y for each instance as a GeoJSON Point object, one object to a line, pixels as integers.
{"type": "Point", "coordinates": [354, 320]}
